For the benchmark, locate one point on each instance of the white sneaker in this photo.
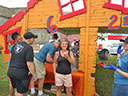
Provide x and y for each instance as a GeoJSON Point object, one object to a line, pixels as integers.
{"type": "Point", "coordinates": [53, 88]}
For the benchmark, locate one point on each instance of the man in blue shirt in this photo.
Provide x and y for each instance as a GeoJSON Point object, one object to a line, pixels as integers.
{"type": "Point", "coordinates": [75, 50]}
{"type": "Point", "coordinates": [45, 54]}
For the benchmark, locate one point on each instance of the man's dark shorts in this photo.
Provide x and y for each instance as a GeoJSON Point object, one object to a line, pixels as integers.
{"type": "Point", "coordinates": [20, 85]}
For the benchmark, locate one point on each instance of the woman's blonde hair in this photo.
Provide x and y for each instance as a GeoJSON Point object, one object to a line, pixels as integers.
{"type": "Point", "coordinates": [64, 40]}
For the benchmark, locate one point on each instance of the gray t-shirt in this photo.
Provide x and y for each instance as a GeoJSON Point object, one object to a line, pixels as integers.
{"type": "Point", "coordinates": [20, 54]}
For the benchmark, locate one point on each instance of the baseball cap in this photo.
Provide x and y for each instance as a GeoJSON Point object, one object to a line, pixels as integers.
{"type": "Point", "coordinates": [55, 36]}
{"type": "Point", "coordinates": [124, 40]}
{"type": "Point", "coordinates": [30, 35]}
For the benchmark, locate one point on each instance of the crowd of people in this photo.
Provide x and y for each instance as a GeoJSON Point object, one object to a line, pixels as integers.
{"type": "Point", "coordinates": [23, 63]}
{"type": "Point", "coordinates": [64, 58]}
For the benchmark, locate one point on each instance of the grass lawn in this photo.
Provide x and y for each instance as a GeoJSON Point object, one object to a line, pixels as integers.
{"type": "Point", "coordinates": [3, 78]}
{"type": "Point", "coordinates": [103, 82]}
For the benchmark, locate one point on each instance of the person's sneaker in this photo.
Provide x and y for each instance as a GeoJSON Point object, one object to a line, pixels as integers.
{"type": "Point", "coordinates": [40, 95]}
{"type": "Point", "coordinates": [43, 94]}
{"type": "Point", "coordinates": [35, 94]}
{"type": "Point", "coordinates": [53, 88]}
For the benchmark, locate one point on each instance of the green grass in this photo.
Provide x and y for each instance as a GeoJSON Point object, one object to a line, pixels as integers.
{"type": "Point", "coordinates": [103, 81]}
{"type": "Point", "coordinates": [3, 78]}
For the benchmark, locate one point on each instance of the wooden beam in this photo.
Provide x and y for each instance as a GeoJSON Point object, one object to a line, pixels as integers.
{"type": "Point", "coordinates": [53, 92]}
{"type": "Point", "coordinates": [123, 30]}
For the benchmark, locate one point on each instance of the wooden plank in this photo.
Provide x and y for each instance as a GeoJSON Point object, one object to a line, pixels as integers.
{"type": "Point", "coordinates": [53, 92]}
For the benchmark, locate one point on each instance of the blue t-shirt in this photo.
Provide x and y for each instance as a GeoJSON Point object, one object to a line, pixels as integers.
{"type": "Point", "coordinates": [54, 51]}
{"type": "Point", "coordinates": [10, 52]}
{"type": "Point", "coordinates": [47, 48]}
{"type": "Point", "coordinates": [122, 62]}
{"type": "Point", "coordinates": [75, 51]}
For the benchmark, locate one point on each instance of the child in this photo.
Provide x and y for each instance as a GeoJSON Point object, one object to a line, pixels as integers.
{"type": "Point", "coordinates": [103, 57]}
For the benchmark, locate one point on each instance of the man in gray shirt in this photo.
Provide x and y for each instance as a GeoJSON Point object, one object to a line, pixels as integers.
{"type": "Point", "coordinates": [21, 63]}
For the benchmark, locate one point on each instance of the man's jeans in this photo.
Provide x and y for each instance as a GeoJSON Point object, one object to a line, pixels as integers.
{"type": "Point", "coordinates": [120, 90]}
